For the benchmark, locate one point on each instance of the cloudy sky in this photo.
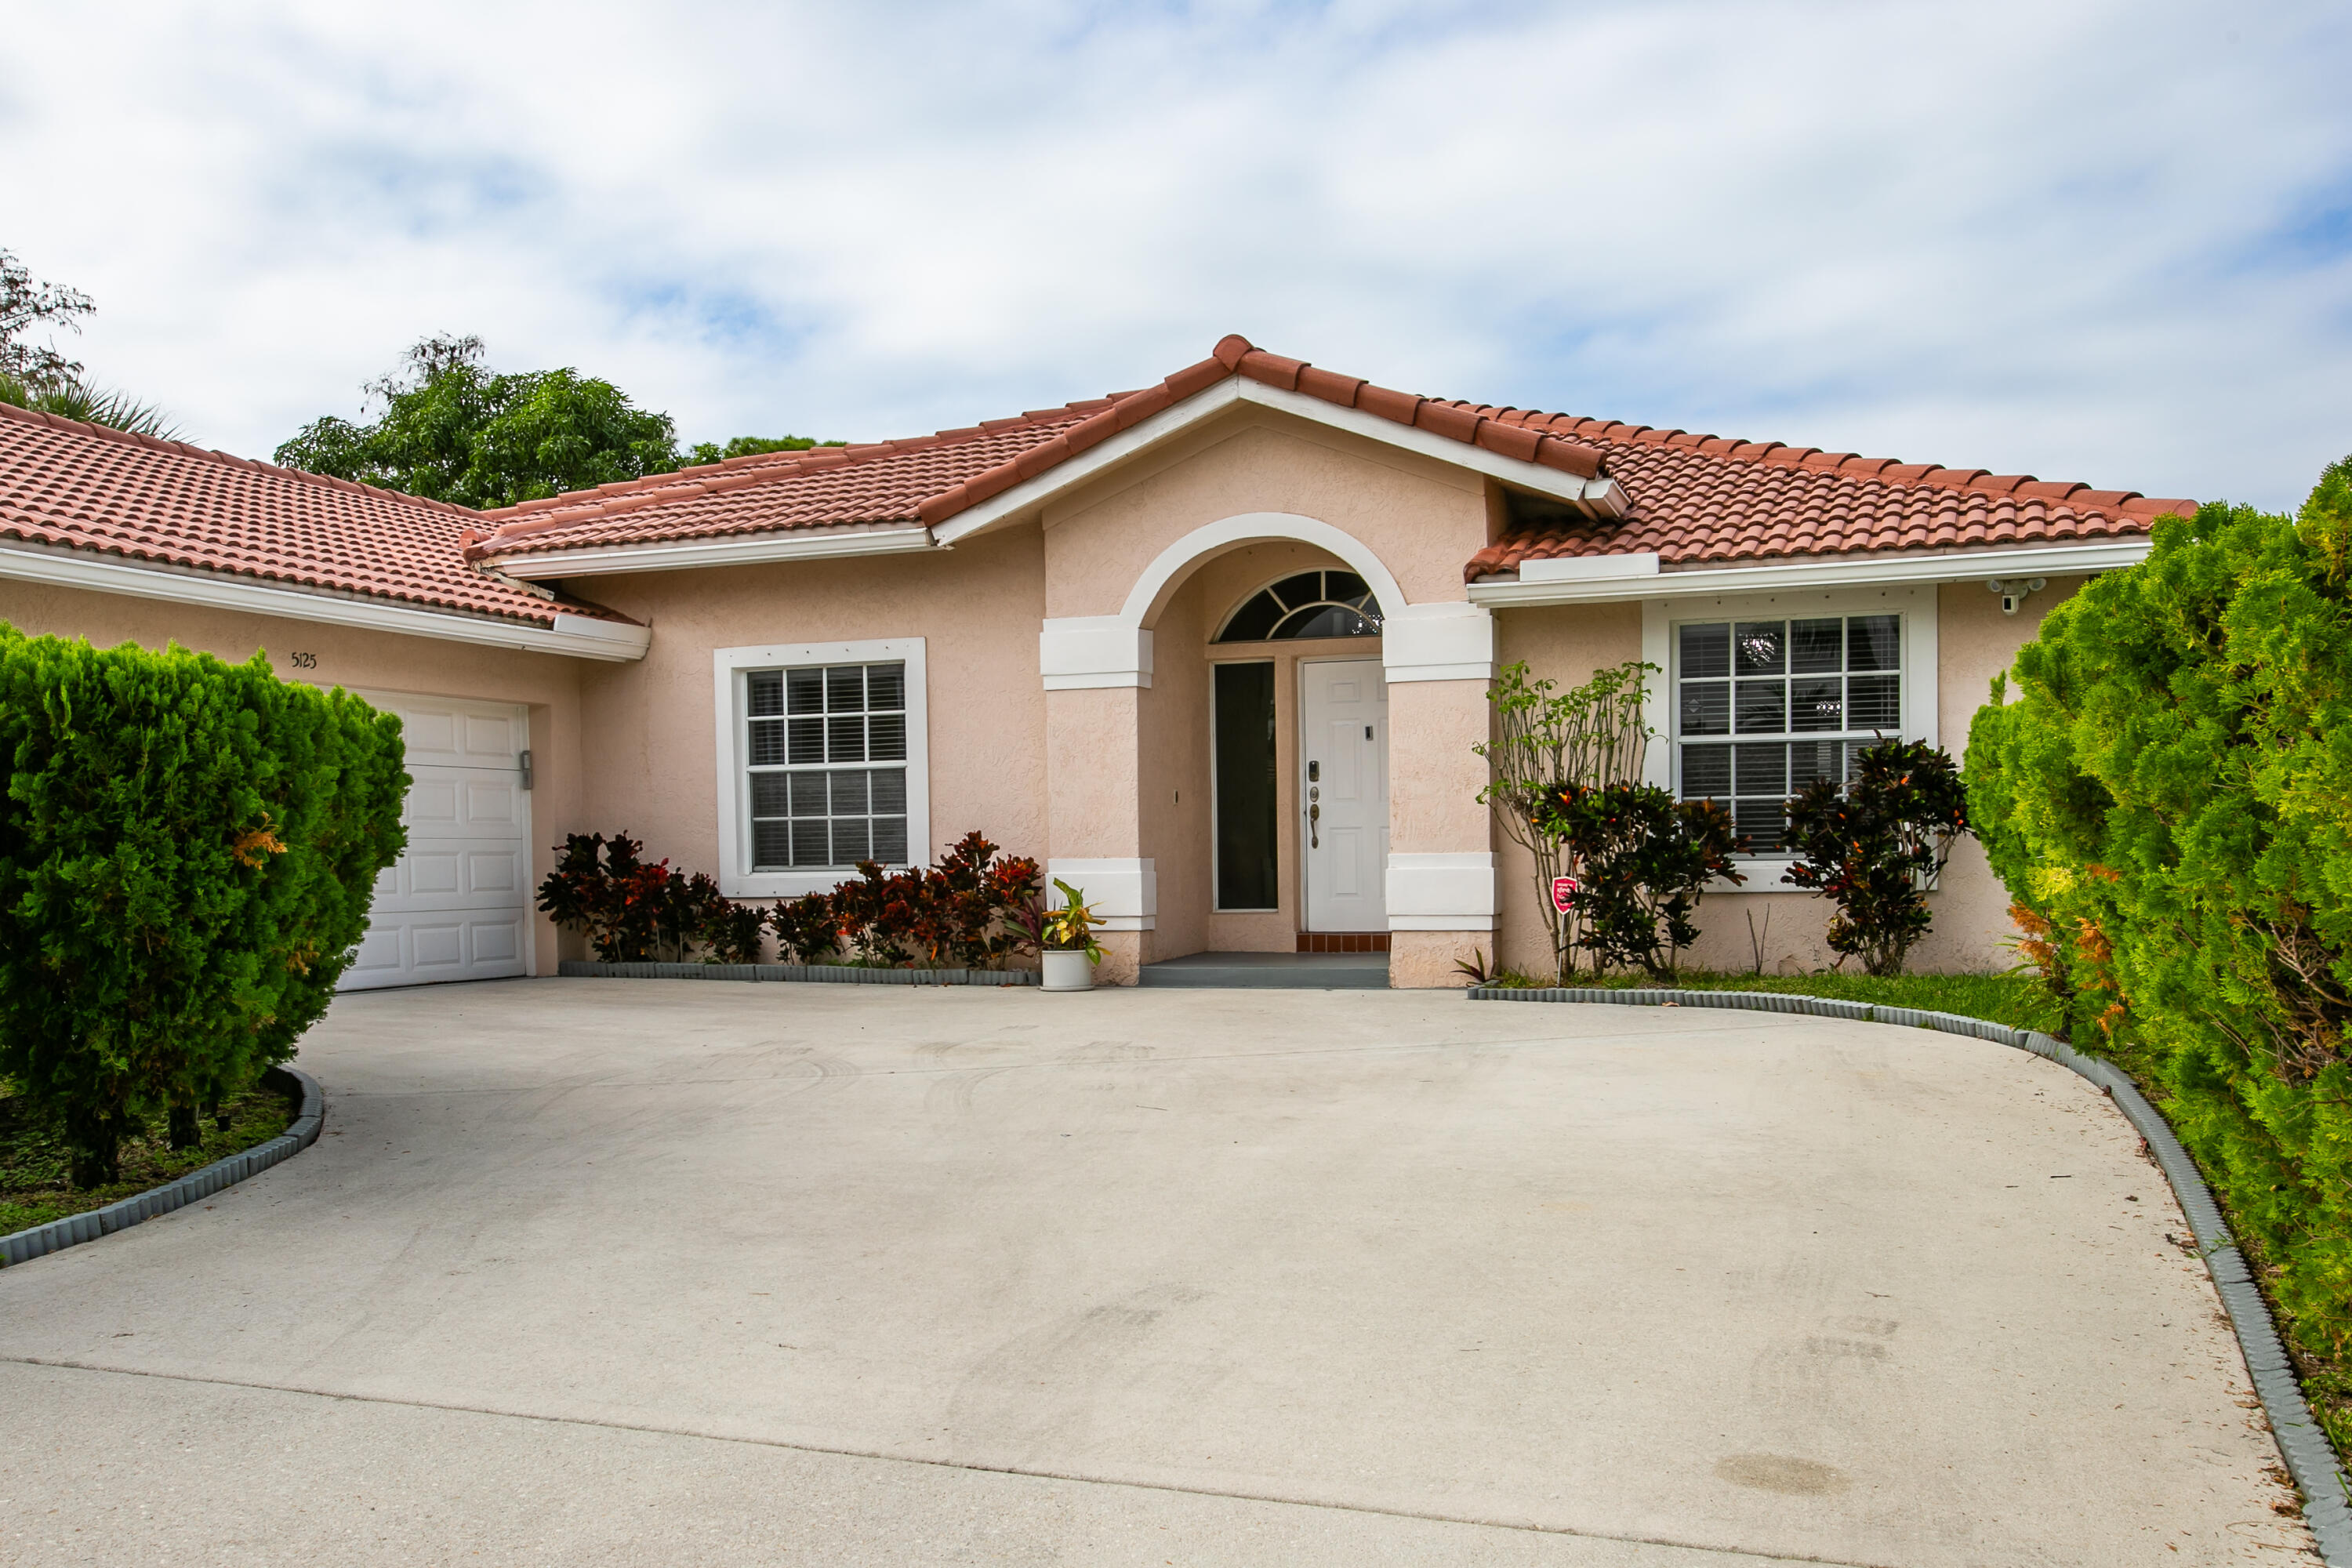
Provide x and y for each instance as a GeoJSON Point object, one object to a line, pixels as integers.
{"type": "Point", "coordinates": [2108, 242]}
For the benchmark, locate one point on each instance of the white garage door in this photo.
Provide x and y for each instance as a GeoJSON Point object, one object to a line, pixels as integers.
{"type": "Point", "coordinates": [456, 904]}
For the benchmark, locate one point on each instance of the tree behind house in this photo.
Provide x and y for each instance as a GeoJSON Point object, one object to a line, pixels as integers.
{"type": "Point", "coordinates": [453, 429]}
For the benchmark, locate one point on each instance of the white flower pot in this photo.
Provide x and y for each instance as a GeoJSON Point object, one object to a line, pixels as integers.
{"type": "Point", "coordinates": [1067, 969]}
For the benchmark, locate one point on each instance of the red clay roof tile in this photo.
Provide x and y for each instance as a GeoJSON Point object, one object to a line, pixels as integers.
{"type": "Point", "coordinates": [1692, 497]}
{"type": "Point", "coordinates": [1714, 500]}
{"type": "Point", "coordinates": [67, 485]}
{"type": "Point", "coordinates": [931, 478]}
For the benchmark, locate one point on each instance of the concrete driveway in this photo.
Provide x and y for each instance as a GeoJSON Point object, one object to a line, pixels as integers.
{"type": "Point", "coordinates": [665, 1272]}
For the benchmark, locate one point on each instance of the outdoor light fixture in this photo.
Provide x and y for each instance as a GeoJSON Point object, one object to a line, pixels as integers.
{"type": "Point", "coordinates": [2012, 591]}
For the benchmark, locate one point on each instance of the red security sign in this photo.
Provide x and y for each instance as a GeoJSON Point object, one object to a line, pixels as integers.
{"type": "Point", "coordinates": [1563, 889]}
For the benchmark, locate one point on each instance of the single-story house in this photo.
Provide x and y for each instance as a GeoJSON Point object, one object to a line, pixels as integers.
{"type": "Point", "coordinates": [1216, 651]}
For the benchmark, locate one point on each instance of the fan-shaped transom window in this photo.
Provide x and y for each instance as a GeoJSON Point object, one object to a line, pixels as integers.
{"type": "Point", "coordinates": [1310, 604]}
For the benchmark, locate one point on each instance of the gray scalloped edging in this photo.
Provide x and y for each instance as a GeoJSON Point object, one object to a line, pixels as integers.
{"type": "Point", "coordinates": [24, 1246]}
{"type": "Point", "coordinates": [2309, 1456]}
{"type": "Point", "coordinates": [820, 974]}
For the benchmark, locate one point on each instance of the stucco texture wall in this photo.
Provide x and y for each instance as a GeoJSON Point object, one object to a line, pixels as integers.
{"type": "Point", "coordinates": [1176, 784]}
{"type": "Point", "coordinates": [1422, 518]}
{"type": "Point", "coordinates": [654, 730]}
{"type": "Point", "coordinates": [1786, 931]}
{"type": "Point", "coordinates": [547, 684]}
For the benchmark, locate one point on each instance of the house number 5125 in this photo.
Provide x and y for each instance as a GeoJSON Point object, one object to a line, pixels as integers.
{"type": "Point", "coordinates": [304, 660]}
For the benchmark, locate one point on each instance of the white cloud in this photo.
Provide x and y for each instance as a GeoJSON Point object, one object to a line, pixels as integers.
{"type": "Point", "coordinates": [2107, 242]}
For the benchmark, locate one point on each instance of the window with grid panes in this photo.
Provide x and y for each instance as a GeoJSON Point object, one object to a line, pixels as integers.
{"type": "Point", "coordinates": [828, 767]}
{"type": "Point", "coordinates": [1764, 708]}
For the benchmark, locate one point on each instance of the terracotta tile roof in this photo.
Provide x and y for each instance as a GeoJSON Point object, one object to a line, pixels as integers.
{"type": "Point", "coordinates": [1704, 499]}
{"type": "Point", "coordinates": [929, 478]}
{"type": "Point", "coordinates": [1691, 498]}
{"type": "Point", "coordinates": [85, 488]}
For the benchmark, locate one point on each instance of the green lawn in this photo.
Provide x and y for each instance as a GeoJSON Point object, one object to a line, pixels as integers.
{"type": "Point", "coordinates": [33, 1189]}
{"type": "Point", "coordinates": [2008, 999]}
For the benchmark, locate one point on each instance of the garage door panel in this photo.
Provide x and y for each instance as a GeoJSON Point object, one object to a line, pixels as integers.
{"type": "Point", "coordinates": [494, 872]}
{"type": "Point", "coordinates": [430, 734]}
{"type": "Point", "coordinates": [456, 875]}
{"type": "Point", "coordinates": [433, 871]}
{"type": "Point", "coordinates": [432, 798]}
{"type": "Point", "coordinates": [436, 944]}
{"type": "Point", "coordinates": [492, 803]}
{"type": "Point", "coordinates": [456, 906]}
{"type": "Point", "coordinates": [496, 941]}
{"type": "Point", "coordinates": [491, 739]}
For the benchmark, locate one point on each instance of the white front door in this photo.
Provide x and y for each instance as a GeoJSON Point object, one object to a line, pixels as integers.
{"type": "Point", "coordinates": [456, 904]}
{"type": "Point", "coordinates": [1344, 792]}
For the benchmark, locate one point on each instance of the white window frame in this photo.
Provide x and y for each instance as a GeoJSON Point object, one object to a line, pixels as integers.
{"type": "Point", "coordinates": [731, 671]}
{"type": "Point", "coordinates": [1916, 602]}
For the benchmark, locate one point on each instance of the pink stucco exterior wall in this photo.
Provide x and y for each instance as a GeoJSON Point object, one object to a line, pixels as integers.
{"type": "Point", "coordinates": [1112, 772]}
{"type": "Point", "coordinates": [1420, 518]}
{"type": "Point", "coordinates": [1975, 642]}
{"type": "Point", "coordinates": [654, 754]}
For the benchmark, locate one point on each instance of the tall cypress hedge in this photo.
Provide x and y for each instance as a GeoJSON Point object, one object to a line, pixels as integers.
{"type": "Point", "coordinates": [187, 849]}
{"type": "Point", "coordinates": [2168, 799]}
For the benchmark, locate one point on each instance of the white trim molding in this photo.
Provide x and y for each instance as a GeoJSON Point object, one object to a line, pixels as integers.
{"type": "Point", "coordinates": [1075, 652]}
{"type": "Point", "coordinates": [1592, 579]}
{"type": "Point", "coordinates": [729, 667]}
{"type": "Point", "coordinates": [1599, 496]}
{"type": "Point", "coordinates": [1453, 891]}
{"type": "Point", "coordinates": [1124, 892]}
{"type": "Point", "coordinates": [806, 545]}
{"type": "Point", "coordinates": [1915, 602]}
{"type": "Point", "coordinates": [577, 636]}
{"type": "Point", "coordinates": [1441, 640]}
{"type": "Point", "coordinates": [1159, 581]}
{"type": "Point", "coordinates": [1590, 568]}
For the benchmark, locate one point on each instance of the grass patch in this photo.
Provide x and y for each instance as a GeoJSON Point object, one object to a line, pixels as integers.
{"type": "Point", "coordinates": [2013, 999]}
{"type": "Point", "coordinates": [32, 1188]}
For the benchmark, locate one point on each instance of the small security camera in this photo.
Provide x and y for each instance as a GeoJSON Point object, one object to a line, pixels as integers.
{"type": "Point", "coordinates": [2012, 591]}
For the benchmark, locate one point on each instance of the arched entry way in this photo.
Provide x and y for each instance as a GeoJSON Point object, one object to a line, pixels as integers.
{"type": "Point", "coordinates": [1219, 785]}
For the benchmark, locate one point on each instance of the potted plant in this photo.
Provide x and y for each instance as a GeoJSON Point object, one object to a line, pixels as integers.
{"type": "Point", "coordinates": [1066, 942]}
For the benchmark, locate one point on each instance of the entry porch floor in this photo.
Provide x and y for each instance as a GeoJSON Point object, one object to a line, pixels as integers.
{"type": "Point", "coordinates": [1272, 970]}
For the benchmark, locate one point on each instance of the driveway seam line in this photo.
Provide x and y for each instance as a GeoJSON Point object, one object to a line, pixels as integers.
{"type": "Point", "coordinates": [66, 1364]}
{"type": "Point", "coordinates": [1004, 1067]}
{"type": "Point", "coordinates": [2310, 1457]}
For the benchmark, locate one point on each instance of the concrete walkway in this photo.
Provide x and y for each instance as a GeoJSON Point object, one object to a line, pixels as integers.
{"type": "Point", "coordinates": [678, 1273]}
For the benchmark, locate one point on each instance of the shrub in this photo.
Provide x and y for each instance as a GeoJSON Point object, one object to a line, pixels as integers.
{"type": "Point", "coordinates": [187, 850]}
{"type": "Point", "coordinates": [1641, 859]}
{"type": "Point", "coordinates": [975, 894]}
{"type": "Point", "coordinates": [2165, 800]}
{"type": "Point", "coordinates": [1869, 845]}
{"type": "Point", "coordinates": [806, 928]}
{"type": "Point", "coordinates": [1589, 738]}
{"type": "Point", "coordinates": [599, 887]}
{"type": "Point", "coordinates": [726, 932]}
{"type": "Point", "coordinates": [632, 912]}
{"type": "Point", "coordinates": [874, 912]}
{"type": "Point", "coordinates": [958, 913]}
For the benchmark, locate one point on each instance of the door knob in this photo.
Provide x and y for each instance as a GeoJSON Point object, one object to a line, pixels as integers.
{"type": "Point", "coordinates": [1314, 833]}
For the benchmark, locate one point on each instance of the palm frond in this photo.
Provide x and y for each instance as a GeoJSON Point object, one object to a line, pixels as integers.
{"type": "Point", "coordinates": [78, 397]}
